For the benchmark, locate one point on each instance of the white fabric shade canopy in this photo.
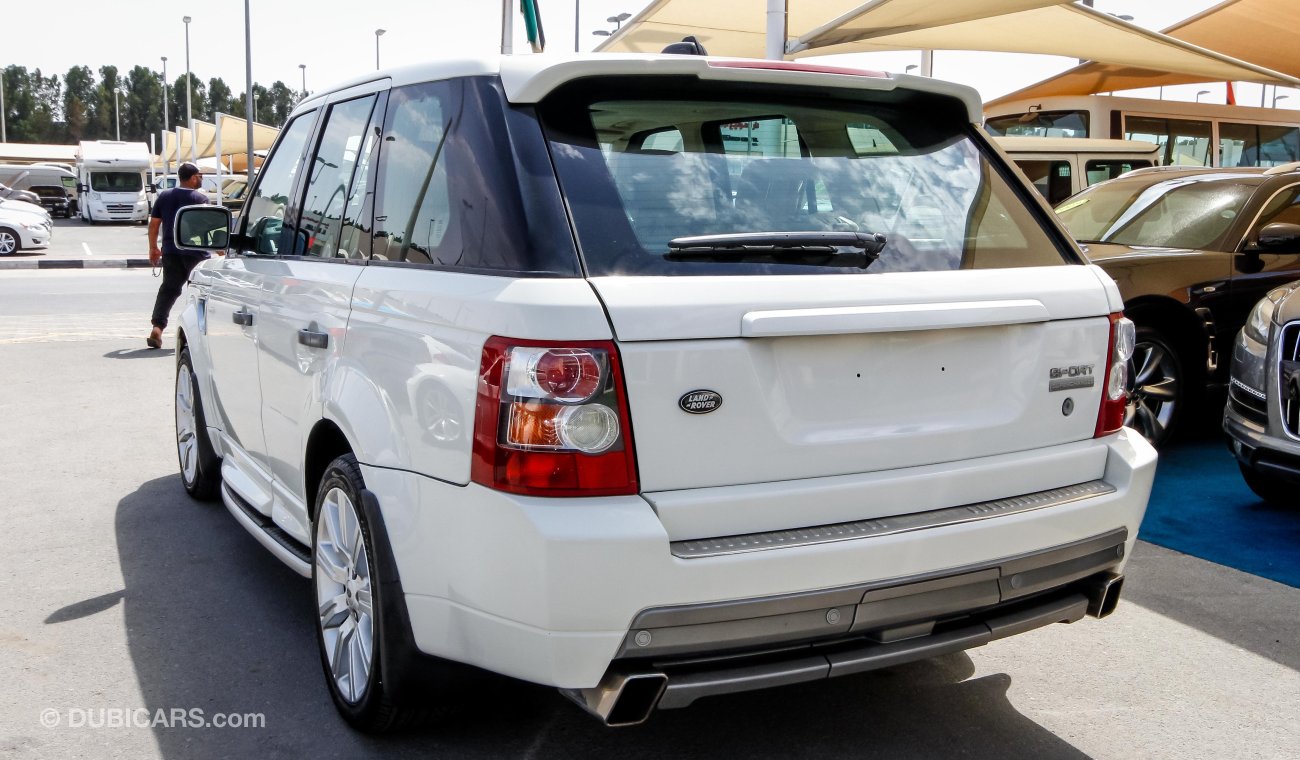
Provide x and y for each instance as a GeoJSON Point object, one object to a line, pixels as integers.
{"type": "Point", "coordinates": [823, 27]}
{"type": "Point", "coordinates": [228, 136]}
{"type": "Point", "coordinates": [1261, 31]}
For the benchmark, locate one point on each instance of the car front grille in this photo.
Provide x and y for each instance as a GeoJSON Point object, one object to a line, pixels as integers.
{"type": "Point", "coordinates": [1289, 377]}
{"type": "Point", "coordinates": [120, 208]}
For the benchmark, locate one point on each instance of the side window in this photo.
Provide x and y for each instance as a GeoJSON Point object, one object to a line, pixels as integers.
{"type": "Point", "coordinates": [463, 181]}
{"type": "Point", "coordinates": [1182, 142]}
{"type": "Point", "coordinates": [268, 232]}
{"type": "Point", "coordinates": [1051, 178]}
{"type": "Point", "coordinates": [1283, 207]}
{"type": "Point", "coordinates": [413, 210]}
{"type": "Point", "coordinates": [344, 145]}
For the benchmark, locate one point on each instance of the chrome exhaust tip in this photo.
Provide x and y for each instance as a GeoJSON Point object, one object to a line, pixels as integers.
{"type": "Point", "coordinates": [621, 699]}
{"type": "Point", "coordinates": [1103, 595]}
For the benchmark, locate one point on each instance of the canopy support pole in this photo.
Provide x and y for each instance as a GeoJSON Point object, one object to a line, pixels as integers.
{"type": "Point", "coordinates": [927, 63]}
{"type": "Point", "coordinates": [507, 28]}
{"type": "Point", "coordinates": [218, 120]}
{"type": "Point", "coordinates": [777, 29]}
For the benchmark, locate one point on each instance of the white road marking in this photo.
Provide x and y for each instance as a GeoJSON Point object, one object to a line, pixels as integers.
{"type": "Point", "coordinates": [86, 247]}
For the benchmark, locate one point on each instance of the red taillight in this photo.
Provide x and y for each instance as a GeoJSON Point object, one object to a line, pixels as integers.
{"type": "Point", "coordinates": [1114, 386]}
{"type": "Point", "coordinates": [551, 420]}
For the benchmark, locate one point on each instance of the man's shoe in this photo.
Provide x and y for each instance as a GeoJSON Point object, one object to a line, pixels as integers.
{"type": "Point", "coordinates": [155, 339]}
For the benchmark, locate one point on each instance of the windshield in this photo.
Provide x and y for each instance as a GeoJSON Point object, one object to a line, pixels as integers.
{"type": "Point", "coordinates": [1182, 212]}
{"type": "Point", "coordinates": [639, 172]}
{"type": "Point", "coordinates": [116, 182]}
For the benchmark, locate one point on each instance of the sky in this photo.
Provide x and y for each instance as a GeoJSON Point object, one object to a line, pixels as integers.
{"type": "Point", "coordinates": [335, 39]}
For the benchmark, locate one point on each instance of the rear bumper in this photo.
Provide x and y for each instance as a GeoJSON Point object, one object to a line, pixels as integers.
{"type": "Point", "coordinates": [556, 591]}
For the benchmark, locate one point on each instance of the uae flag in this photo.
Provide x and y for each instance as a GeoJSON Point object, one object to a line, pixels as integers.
{"type": "Point", "coordinates": [533, 24]}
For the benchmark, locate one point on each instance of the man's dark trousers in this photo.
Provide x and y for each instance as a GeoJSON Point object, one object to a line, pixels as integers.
{"type": "Point", "coordinates": [176, 268]}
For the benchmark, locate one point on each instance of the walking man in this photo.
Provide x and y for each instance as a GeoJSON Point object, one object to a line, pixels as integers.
{"type": "Point", "coordinates": [176, 265]}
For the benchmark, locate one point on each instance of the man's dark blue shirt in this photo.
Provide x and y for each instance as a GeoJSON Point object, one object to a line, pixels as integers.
{"type": "Point", "coordinates": [165, 208]}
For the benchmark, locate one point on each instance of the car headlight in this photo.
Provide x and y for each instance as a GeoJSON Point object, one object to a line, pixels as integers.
{"type": "Point", "coordinates": [38, 227]}
{"type": "Point", "coordinates": [1261, 317]}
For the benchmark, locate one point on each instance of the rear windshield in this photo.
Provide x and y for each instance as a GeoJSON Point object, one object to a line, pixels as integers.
{"type": "Point", "coordinates": [1181, 212]}
{"type": "Point", "coordinates": [640, 168]}
{"type": "Point", "coordinates": [1040, 124]}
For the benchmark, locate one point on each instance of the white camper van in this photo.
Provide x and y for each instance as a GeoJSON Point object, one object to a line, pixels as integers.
{"type": "Point", "coordinates": [111, 180]}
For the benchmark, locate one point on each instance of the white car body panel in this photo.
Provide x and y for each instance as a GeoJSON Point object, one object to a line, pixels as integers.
{"type": "Point", "coordinates": [415, 341]}
{"type": "Point", "coordinates": [311, 296]}
{"type": "Point", "coordinates": [558, 623]}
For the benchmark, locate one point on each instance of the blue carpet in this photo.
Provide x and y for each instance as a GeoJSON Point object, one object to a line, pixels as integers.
{"type": "Point", "coordinates": [1201, 506]}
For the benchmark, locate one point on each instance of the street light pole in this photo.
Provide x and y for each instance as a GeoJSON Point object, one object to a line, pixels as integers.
{"type": "Point", "coordinates": [1277, 97]}
{"type": "Point", "coordinates": [3, 136]}
{"type": "Point", "coordinates": [117, 117]}
{"type": "Point", "coordinates": [378, 33]}
{"type": "Point", "coordinates": [167, 161]}
{"type": "Point", "coordinates": [189, 115]}
{"type": "Point", "coordinates": [303, 66]}
{"type": "Point", "coordinates": [248, 88]}
{"type": "Point", "coordinates": [1199, 94]}
{"type": "Point", "coordinates": [577, 20]}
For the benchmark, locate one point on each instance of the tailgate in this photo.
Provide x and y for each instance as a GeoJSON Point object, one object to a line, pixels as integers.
{"type": "Point", "coordinates": [823, 376]}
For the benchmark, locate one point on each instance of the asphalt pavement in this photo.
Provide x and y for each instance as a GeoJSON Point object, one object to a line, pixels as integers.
{"type": "Point", "coordinates": [75, 244]}
{"type": "Point", "coordinates": [125, 607]}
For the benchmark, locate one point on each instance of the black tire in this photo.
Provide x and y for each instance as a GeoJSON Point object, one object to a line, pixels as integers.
{"type": "Point", "coordinates": [205, 482]}
{"type": "Point", "coordinates": [1270, 488]}
{"type": "Point", "coordinates": [9, 238]}
{"type": "Point", "coordinates": [1158, 387]}
{"type": "Point", "coordinates": [377, 709]}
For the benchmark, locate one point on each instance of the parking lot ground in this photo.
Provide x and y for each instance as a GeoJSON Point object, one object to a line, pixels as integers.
{"type": "Point", "coordinates": [120, 593]}
{"type": "Point", "coordinates": [76, 244]}
{"type": "Point", "coordinates": [1201, 506]}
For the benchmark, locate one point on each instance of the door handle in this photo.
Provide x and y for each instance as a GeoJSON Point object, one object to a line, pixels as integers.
{"type": "Point", "coordinates": [313, 339]}
{"type": "Point", "coordinates": [242, 317]}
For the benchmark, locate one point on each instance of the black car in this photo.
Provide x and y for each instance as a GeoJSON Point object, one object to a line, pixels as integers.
{"type": "Point", "coordinates": [1192, 250]}
{"type": "Point", "coordinates": [54, 199]}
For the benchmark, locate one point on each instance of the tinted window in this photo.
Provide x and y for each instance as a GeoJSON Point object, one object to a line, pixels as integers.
{"type": "Point", "coordinates": [345, 143]}
{"type": "Point", "coordinates": [269, 233]}
{"type": "Point", "coordinates": [1040, 124]}
{"type": "Point", "coordinates": [1257, 144]}
{"type": "Point", "coordinates": [800, 165]}
{"type": "Point", "coordinates": [453, 191]}
{"type": "Point", "coordinates": [1181, 212]}
{"type": "Point", "coordinates": [1051, 178]}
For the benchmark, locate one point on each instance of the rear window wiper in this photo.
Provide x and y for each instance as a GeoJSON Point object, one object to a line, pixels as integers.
{"type": "Point", "coordinates": [819, 248]}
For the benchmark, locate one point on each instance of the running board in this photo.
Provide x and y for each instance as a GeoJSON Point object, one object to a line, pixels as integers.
{"type": "Point", "coordinates": [286, 548]}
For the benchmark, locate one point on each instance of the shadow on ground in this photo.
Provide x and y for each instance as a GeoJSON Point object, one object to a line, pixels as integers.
{"type": "Point", "coordinates": [140, 353]}
{"type": "Point", "coordinates": [214, 622]}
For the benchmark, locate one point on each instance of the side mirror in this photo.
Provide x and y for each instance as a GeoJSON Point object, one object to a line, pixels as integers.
{"type": "Point", "coordinates": [82, 188]}
{"type": "Point", "coordinates": [202, 228]}
{"type": "Point", "coordinates": [1279, 237]}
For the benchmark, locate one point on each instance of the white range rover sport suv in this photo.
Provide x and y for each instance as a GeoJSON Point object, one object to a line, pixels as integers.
{"type": "Point", "coordinates": [655, 377]}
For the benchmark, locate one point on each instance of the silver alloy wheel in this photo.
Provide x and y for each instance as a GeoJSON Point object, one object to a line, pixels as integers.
{"type": "Point", "coordinates": [187, 442]}
{"type": "Point", "coordinates": [1153, 390]}
{"type": "Point", "coordinates": [343, 595]}
{"type": "Point", "coordinates": [8, 242]}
